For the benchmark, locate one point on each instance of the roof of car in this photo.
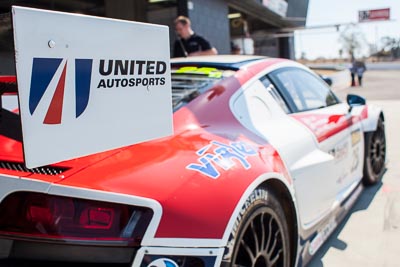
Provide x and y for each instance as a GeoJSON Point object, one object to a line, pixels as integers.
{"type": "Point", "coordinates": [218, 61]}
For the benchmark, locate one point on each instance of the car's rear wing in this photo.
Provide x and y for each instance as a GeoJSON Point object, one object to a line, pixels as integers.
{"type": "Point", "coordinates": [8, 84]}
{"type": "Point", "coordinates": [85, 85]}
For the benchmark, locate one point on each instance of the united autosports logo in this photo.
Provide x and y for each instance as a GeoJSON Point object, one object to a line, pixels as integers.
{"type": "Point", "coordinates": [49, 77]}
{"type": "Point", "coordinates": [44, 71]}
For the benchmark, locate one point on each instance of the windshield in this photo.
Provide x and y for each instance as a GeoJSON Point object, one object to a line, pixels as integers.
{"type": "Point", "coordinates": [189, 82]}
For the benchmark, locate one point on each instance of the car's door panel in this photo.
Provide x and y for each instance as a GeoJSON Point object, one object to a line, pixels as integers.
{"type": "Point", "coordinates": [317, 108]}
{"type": "Point", "coordinates": [258, 111]}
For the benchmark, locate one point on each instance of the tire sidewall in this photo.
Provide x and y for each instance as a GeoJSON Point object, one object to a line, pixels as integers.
{"type": "Point", "coordinates": [259, 198]}
{"type": "Point", "coordinates": [369, 177]}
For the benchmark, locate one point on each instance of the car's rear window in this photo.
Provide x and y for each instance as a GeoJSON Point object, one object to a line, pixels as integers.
{"type": "Point", "coordinates": [188, 82]}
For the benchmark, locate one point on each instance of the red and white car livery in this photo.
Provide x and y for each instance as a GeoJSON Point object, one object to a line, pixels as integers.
{"type": "Point", "coordinates": [263, 164]}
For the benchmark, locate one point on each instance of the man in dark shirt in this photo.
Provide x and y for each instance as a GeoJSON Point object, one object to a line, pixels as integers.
{"type": "Point", "coordinates": [189, 43]}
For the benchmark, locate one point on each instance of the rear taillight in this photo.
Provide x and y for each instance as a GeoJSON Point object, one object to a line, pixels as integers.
{"type": "Point", "coordinates": [35, 215]}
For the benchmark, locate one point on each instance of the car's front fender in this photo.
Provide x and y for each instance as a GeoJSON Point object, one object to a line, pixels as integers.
{"type": "Point", "coordinates": [369, 115]}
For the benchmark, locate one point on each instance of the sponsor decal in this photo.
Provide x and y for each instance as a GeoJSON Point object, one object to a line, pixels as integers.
{"type": "Point", "coordinates": [209, 72]}
{"type": "Point", "coordinates": [323, 125]}
{"type": "Point", "coordinates": [355, 137]}
{"type": "Point", "coordinates": [342, 177]}
{"type": "Point", "coordinates": [321, 237]}
{"type": "Point", "coordinates": [356, 159]}
{"type": "Point", "coordinates": [43, 72]}
{"type": "Point", "coordinates": [258, 194]}
{"type": "Point", "coordinates": [163, 262]}
{"type": "Point", "coordinates": [130, 73]}
{"type": "Point", "coordinates": [111, 74]}
{"type": "Point", "coordinates": [223, 156]}
{"type": "Point", "coordinates": [341, 151]}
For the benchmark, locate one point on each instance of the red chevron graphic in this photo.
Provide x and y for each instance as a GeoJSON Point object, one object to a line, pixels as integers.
{"type": "Point", "coordinates": [54, 112]}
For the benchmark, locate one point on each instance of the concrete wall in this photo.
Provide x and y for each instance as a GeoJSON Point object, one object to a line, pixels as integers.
{"type": "Point", "coordinates": [126, 9]}
{"type": "Point", "coordinates": [166, 17]}
{"type": "Point", "coordinates": [209, 19]}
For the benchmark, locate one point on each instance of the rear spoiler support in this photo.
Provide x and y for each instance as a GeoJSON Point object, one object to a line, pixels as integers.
{"type": "Point", "coordinates": [10, 122]}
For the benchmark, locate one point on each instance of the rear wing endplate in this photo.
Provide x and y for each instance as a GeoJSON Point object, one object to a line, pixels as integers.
{"type": "Point", "coordinates": [86, 84]}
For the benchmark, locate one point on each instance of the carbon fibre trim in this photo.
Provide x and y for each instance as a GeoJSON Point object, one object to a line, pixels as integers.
{"type": "Point", "coordinates": [19, 166]}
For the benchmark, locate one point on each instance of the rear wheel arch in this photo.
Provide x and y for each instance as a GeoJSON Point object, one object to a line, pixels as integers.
{"type": "Point", "coordinates": [279, 190]}
{"type": "Point", "coordinates": [283, 193]}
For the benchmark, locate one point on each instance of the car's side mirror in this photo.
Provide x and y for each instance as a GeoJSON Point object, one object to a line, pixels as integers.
{"type": "Point", "coordinates": [326, 79]}
{"type": "Point", "coordinates": [355, 100]}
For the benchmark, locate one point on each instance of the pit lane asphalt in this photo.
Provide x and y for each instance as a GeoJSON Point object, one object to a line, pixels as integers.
{"type": "Point", "coordinates": [370, 234]}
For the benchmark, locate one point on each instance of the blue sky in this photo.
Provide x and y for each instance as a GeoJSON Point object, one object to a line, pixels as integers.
{"type": "Point", "coordinates": [324, 42]}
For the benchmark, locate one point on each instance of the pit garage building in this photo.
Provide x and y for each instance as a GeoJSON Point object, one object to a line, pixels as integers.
{"type": "Point", "coordinates": [262, 27]}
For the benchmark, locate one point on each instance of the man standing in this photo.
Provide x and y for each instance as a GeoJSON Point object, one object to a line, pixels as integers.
{"type": "Point", "coordinates": [360, 68]}
{"type": "Point", "coordinates": [189, 43]}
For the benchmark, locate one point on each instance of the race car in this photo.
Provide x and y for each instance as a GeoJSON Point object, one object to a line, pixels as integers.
{"type": "Point", "coordinates": [264, 163]}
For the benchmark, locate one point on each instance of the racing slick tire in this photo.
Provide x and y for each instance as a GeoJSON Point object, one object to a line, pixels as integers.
{"type": "Point", "coordinates": [260, 236]}
{"type": "Point", "coordinates": [375, 154]}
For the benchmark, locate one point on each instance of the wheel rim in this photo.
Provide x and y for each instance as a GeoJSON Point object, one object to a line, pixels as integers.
{"type": "Point", "coordinates": [378, 151]}
{"type": "Point", "coordinates": [261, 243]}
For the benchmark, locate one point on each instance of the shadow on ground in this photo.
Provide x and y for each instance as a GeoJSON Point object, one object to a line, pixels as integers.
{"type": "Point", "coordinates": [333, 241]}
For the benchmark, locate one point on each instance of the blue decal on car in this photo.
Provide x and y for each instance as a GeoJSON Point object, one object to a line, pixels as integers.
{"type": "Point", "coordinates": [217, 154]}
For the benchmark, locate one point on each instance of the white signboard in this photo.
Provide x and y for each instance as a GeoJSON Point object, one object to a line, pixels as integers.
{"type": "Point", "coordinates": [89, 84]}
